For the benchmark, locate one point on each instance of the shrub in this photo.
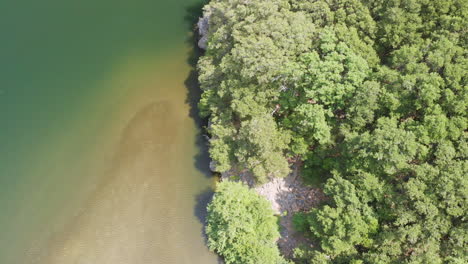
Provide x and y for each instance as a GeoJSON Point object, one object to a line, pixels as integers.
{"type": "Point", "coordinates": [241, 226]}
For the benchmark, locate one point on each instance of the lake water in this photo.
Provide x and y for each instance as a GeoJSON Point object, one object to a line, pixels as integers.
{"type": "Point", "coordinates": [101, 158]}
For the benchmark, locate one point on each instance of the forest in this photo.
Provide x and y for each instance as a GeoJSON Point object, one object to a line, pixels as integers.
{"type": "Point", "coordinates": [370, 97]}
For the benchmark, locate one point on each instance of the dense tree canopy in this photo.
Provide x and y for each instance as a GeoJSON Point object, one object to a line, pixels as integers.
{"type": "Point", "coordinates": [241, 226]}
{"type": "Point", "coordinates": [371, 95]}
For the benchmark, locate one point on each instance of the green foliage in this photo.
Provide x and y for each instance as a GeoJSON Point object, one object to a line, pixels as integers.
{"type": "Point", "coordinates": [372, 96]}
{"type": "Point", "coordinates": [241, 226]}
{"type": "Point", "coordinates": [251, 53]}
{"type": "Point", "coordinates": [259, 148]}
{"type": "Point", "coordinates": [344, 224]}
{"type": "Point", "coordinates": [300, 222]}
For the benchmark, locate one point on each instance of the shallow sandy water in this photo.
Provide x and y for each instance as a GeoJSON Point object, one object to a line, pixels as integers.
{"type": "Point", "coordinates": [144, 207]}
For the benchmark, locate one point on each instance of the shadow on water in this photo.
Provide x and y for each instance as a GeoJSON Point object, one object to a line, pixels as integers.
{"type": "Point", "coordinates": [202, 158]}
{"type": "Point", "coordinates": [202, 199]}
{"type": "Point", "coordinates": [194, 92]}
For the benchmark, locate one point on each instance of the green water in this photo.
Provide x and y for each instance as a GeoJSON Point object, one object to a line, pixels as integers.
{"type": "Point", "coordinates": [98, 151]}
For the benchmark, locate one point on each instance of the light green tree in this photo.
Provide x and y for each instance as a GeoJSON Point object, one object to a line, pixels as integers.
{"type": "Point", "coordinates": [241, 226]}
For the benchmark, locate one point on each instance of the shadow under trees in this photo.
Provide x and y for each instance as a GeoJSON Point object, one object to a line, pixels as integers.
{"type": "Point", "coordinates": [202, 158]}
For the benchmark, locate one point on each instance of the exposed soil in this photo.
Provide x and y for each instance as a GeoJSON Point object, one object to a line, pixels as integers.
{"type": "Point", "coordinates": [287, 196]}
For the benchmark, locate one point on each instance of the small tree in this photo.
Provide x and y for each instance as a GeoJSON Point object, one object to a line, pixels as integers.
{"type": "Point", "coordinates": [241, 226]}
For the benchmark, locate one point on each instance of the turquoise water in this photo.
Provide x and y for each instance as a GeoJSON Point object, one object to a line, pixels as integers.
{"type": "Point", "coordinates": [84, 149]}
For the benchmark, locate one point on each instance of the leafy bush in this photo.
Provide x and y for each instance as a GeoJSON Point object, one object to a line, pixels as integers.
{"type": "Point", "coordinates": [300, 222]}
{"type": "Point", "coordinates": [241, 226]}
